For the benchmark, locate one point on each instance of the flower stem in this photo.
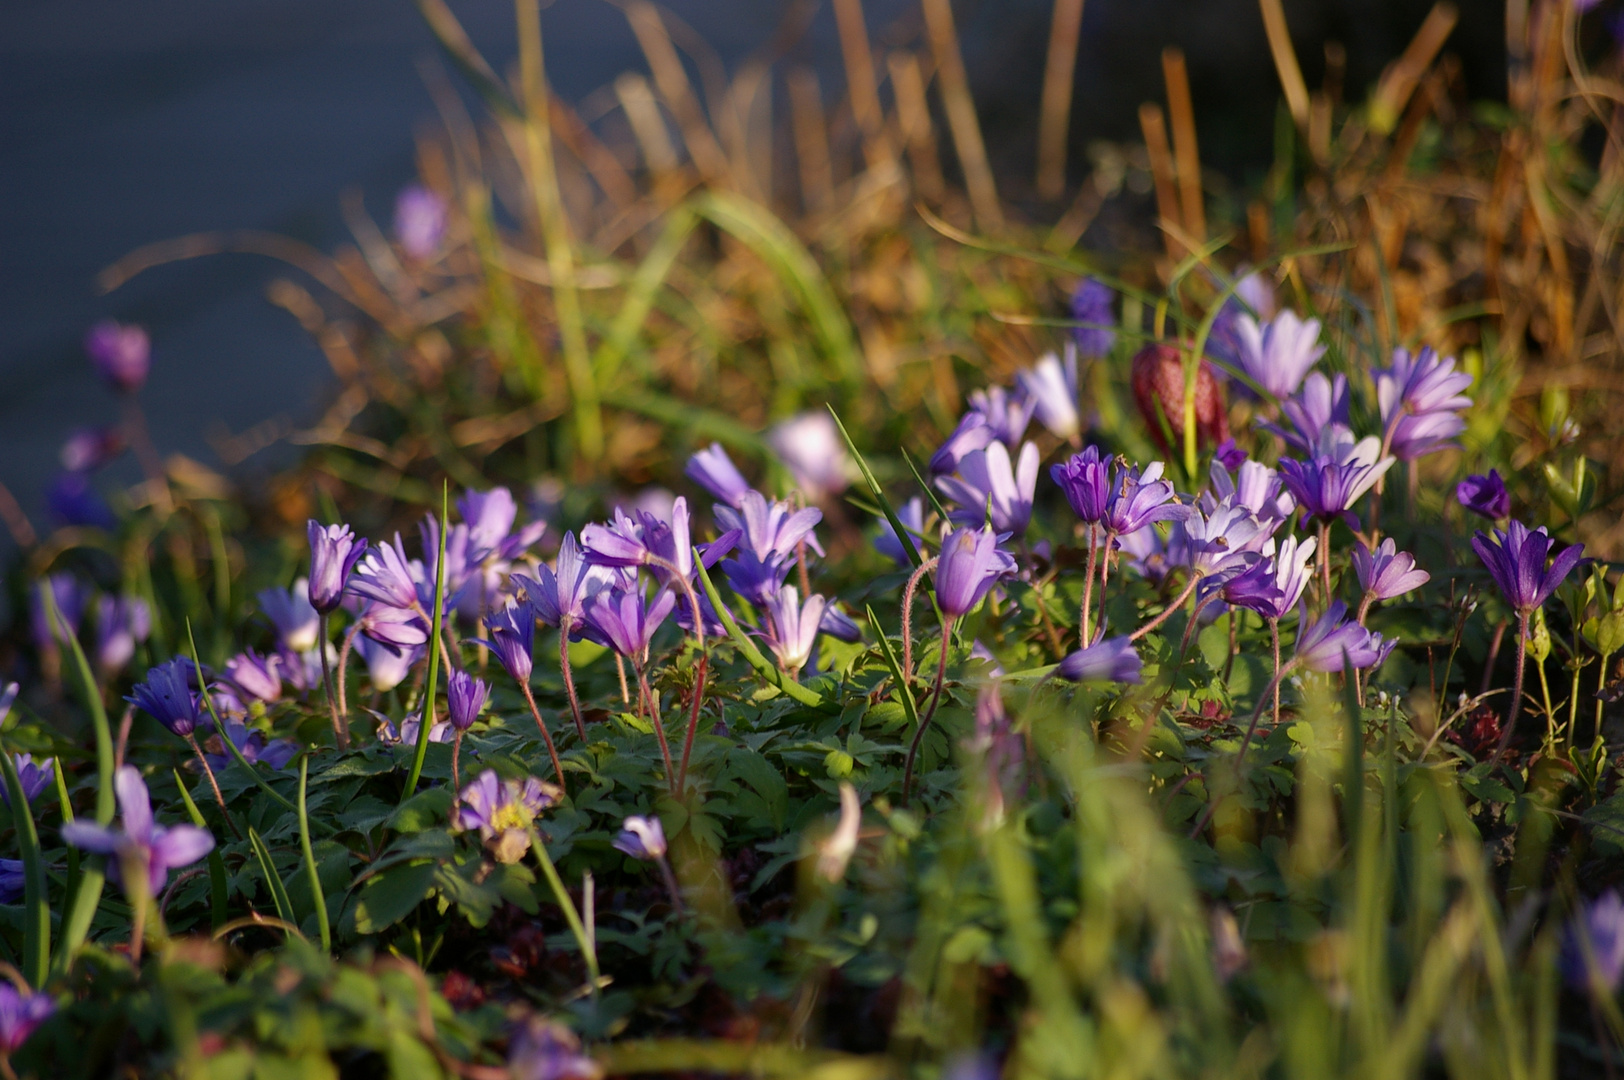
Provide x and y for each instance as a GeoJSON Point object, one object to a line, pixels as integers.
{"type": "Point", "coordinates": [316, 895]}
{"type": "Point", "coordinates": [907, 615]}
{"type": "Point", "coordinates": [213, 783]}
{"type": "Point", "coordinates": [1516, 685]}
{"type": "Point", "coordinates": [1601, 687]}
{"type": "Point", "coordinates": [340, 731]}
{"type": "Point", "coordinates": [569, 681]}
{"type": "Point", "coordinates": [1088, 587]}
{"type": "Point", "coordinates": [1324, 554]}
{"type": "Point", "coordinates": [567, 906]}
{"type": "Point", "coordinates": [1167, 612]}
{"type": "Point", "coordinates": [659, 727]}
{"type": "Point", "coordinates": [343, 669]}
{"type": "Point", "coordinates": [552, 750]}
{"type": "Point", "coordinates": [1274, 639]}
{"type": "Point", "coordinates": [703, 666]}
{"type": "Point", "coordinates": [456, 777]}
{"type": "Point", "coordinates": [930, 711]}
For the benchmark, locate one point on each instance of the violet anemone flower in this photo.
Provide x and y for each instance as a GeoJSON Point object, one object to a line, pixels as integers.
{"type": "Point", "coordinates": [75, 502]}
{"type": "Point", "coordinates": [1051, 388]}
{"type": "Point", "coordinates": [641, 838]}
{"type": "Point", "coordinates": [289, 610]}
{"type": "Point", "coordinates": [513, 635]}
{"type": "Point", "coordinates": [260, 677]}
{"type": "Point", "coordinates": [420, 221]}
{"type": "Point", "coordinates": [90, 448]}
{"type": "Point", "coordinates": [1008, 414]}
{"type": "Point", "coordinates": [714, 471]}
{"type": "Point", "coordinates": [69, 597]}
{"type": "Point", "coordinates": [465, 696]}
{"type": "Point", "coordinates": [169, 696]}
{"type": "Point", "coordinates": [334, 551]}
{"type": "Point", "coordinates": [1254, 297]}
{"type": "Point", "coordinates": [504, 811]}
{"type": "Point", "coordinates": [21, 1012]}
{"type": "Point", "coordinates": [34, 776]}
{"type": "Point", "coordinates": [1091, 307]}
{"type": "Point", "coordinates": [1321, 405]}
{"type": "Point", "coordinates": [1593, 947]}
{"type": "Point", "coordinates": [1274, 585]}
{"type": "Point", "coordinates": [1140, 497]}
{"type": "Point", "coordinates": [1225, 541]}
{"type": "Point", "coordinates": [1334, 641]}
{"type": "Point", "coordinates": [988, 475]}
{"type": "Point", "coordinates": [811, 448]}
{"type": "Point", "coordinates": [387, 665]}
{"type": "Point", "coordinates": [1387, 572]}
{"type": "Point", "coordinates": [141, 841]}
{"type": "Point", "coordinates": [1328, 485]}
{"type": "Point", "coordinates": [254, 747]}
{"type": "Point", "coordinates": [1421, 401]}
{"type": "Point", "coordinates": [1228, 455]}
{"type": "Point", "coordinates": [1255, 486]}
{"type": "Point", "coordinates": [1109, 660]}
{"type": "Point", "coordinates": [121, 353]}
{"type": "Point", "coordinates": [1485, 496]}
{"type": "Point", "coordinates": [1516, 560]}
{"type": "Point", "coordinates": [122, 622]}
{"type": "Point", "coordinates": [625, 621]}
{"type": "Point", "coordinates": [793, 626]}
{"type": "Point", "coordinates": [1278, 356]}
{"type": "Point", "coordinates": [543, 1049]}
{"type": "Point", "coordinates": [973, 433]}
{"type": "Point", "coordinates": [1085, 479]}
{"type": "Point", "coordinates": [912, 516]}
{"type": "Point", "coordinates": [559, 595]}
{"type": "Point", "coordinates": [971, 563]}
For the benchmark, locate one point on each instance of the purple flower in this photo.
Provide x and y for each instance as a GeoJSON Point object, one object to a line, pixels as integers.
{"type": "Point", "coordinates": [121, 623]}
{"type": "Point", "coordinates": [973, 433]}
{"type": "Point", "coordinates": [289, 610]}
{"type": "Point", "coordinates": [971, 563]}
{"type": "Point", "coordinates": [1148, 554]}
{"type": "Point", "coordinates": [641, 838]}
{"type": "Point", "coordinates": [465, 696]}
{"type": "Point", "coordinates": [410, 728]}
{"type": "Point", "coordinates": [1594, 944]}
{"type": "Point", "coordinates": [1253, 296]}
{"type": "Point", "coordinates": [1516, 560]}
{"type": "Point", "coordinates": [1256, 487]}
{"type": "Point", "coordinates": [1274, 585]}
{"type": "Point", "coordinates": [513, 634]}
{"type": "Point", "coordinates": [621, 543]}
{"type": "Point", "coordinates": [1008, 414]}
{"type": "Point", "coordinates": [1387, 572]}
{"type": "Point", "coordinates": [1091, 307]}
{"type": "Point", "coordinates": [625, 622]}
{"type": "Point", "coordinates": [1420, 398]}
{"type": "Point", "coordinates": [1328, 485]}
{"type": "Point", "coordinates": [988, 475]}
{"type": "Point", "coordinates": [1086, 480]}
{"type": "Point", "coordinates": [141, 840]}
{"type": "Point", "coordinates": [69, 597]}
{"type": "Point", "coordinates": [74, 501]}
{"type": "Point", "coordinates": [400, 628]}
{"type": "Point", "coordinates": [811, 447]}
{"type": "Point", "coordinates": [1110, 660]}
{"type": "Point", "coordinates": [1140, 497]}
{"type": "Point", "coordinates": [1320, 406]}
{"type": "Point", "coordinates": [121, 354]}
{"type": "Point", "coordinates": [20, 1013]}
{"type": "Point", "coordinates": [1322, 645]}
{"type": "Point", "coordinates": [91, 448]}
{"type": "Point", "coordinates": [559, 596]}
{"type": "Point", "coordinates": [384, 576]}
{"type": "Point", "coordinates": [490, 516]}
{"type": "Point", "coordinates": [254, 747]}
{"type": "Point", "coordinates": [420, 220]}
{"type": "Point", "coordinates": [1278, 356]}
{"type": "Point", "coordinates": [714, 471]}
{"type": "Point", "coordinates": [169, 697]}
{"type": "Point", "coordinates": [1228, 455]}
{"type": "Point", "coordinates": [770, 531]}
{"type": "Point", "coordinates": [387, 665]}
{"type": "Point", "coordinates": [503, 812]}
{"type": "Point", "coordinates": [543, 1049]}
{"type": "Point", "coordinates": [792, 627]}
{"type": "Point", "coordinates": [1485, 495]}
{"type": "Point", "coordinates": [35, 777]}
{"type": "Point", "coordinates": [1050, 388]}
{"type": "Point", "coordinates": [1225, 541]}
{"type": "Point", "coordinates": [334, 551]}
{"type": "Point", "coordinates": [12, 884]}
{"type": "Point", "coordinates": [257, 676]}
{"type": "Point", "coordinates": [912, 516]}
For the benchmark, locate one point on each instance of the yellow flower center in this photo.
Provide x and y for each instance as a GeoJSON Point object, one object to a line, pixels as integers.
{"type": "Point", "coordinates": [511, 815]}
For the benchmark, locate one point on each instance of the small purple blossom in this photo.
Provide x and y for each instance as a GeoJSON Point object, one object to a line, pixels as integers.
{"type": "Point", "coordinates": [912, 516]}
{"type": "Point", "coordinates": [122, 622]}
{"type": "Point", "coordinates": [971, 563]}
{"type": "Point", "coordinates": [1109, 660]}
{"type": "Point", "coordinates": [641, 838]}
{"type": "Point", "coordinates": [988, 476]}
{"type": "Point", "coordinates": [1140, 497]}
{"type": "Point", "coordinates": [254, 747]}
{"type": "Point", "coordinates": [69, 597]}
{"type": "Point", "coordinates": [1274, 585]}
{"type": "Point", "coordinates": [1593, 947]}
{"type": "Point", "coordinates": [811, 448]}
{"type": "Point", "coordinates": [559, 596]}
{"type": "Point", "coordinates": [1051, 389]}
{"type": "Point", "coordinates": [1421, 401]}
{"type": "Point", "coordinates": [169, 696]}
{"type": "Point", "coordinates": [1277, 356]}
{"type": "Point", "coordinates": [74, 501]}
{"type": "Point", "coordinates": [35, 776]}
{"type": "Point", "coordinates": [1328, 485]}
{"type": "Point", "coordinates": [90, 448]}
{"type": "Point", "coordinates": [385, 576]}
{"type": "Point", "coordinates": [13, 881]}
{"type": "Point", "coordinates": [140, 840]}
{"type": "Point", "coordinates": [1228, 455]}
{"type": "Point", "coordinates": [1387, 572]}
{"type": "Point", "coordinates": [1320, 406]}
{"type": "Point", "coordinates": [387, 665]}
{"type": "Point", "coordinates": [289, 610]}
{"type": "Point", "coordinates": [121, 353]}
{"type": "Point", "coordinates": [543, 1049]}
{"type": "Point", "coordinates": [503, 811]}
{"type": "Point", "coordinates": [257, 676]}
{"type": "Point", "coordinates": [793, 626]}
{"type": "Point", "coordinates": [1091, 307]}
{"type": "Point", "coordinates": [21, 1012]}
{"type": "Point", "coordinates": [626, 622]}
{"type": "Point", "coordinates": [1323, 645]}
{"type": "Point", "coordinates": [973, 433]}
{"type": "Point", "coordinates": [714, 471]}
{"type": "Point", "coordinates": [334, 551]}
{"type": "Point", "coordinates": [1085, 479]}
{"type": "Point", "coordinates": [513, 633]}
{"type": "Point", "coordinates": [1485, 496]}
{"type": "Point", "coordinates": [1224, 541]}
{"type": "Point", "coordinates": [1254, 297]}
{"type": "Point", "coordinates": [465, 696]}
{"type": "Point", "coordinates": [420, 221]}
{"type": "Point", "coordinates": [1516, 559]}
{"type": "Point", "coordinates": [1008, 414]}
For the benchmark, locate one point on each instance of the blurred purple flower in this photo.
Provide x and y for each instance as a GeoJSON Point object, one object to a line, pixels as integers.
{"type": "Point", "coordinates": [1387, 572]}
{"type": "Point", "coordinates": [625, 622]}
{"type": "Point", "coordinates": [503, 811]}
{"type": "Point", "coordinates": [1008, 414]}
{"type": "Point", "coordinates": [1091, 305]}
{"type": "Point", "coordinates": [121, 353]}
{"type": "Point", "coordinates": [1320, 406]}
{"type": "Point", "coordinates": [543, 1049]}
{"type": "Point", "coordinates": [1485, 496]}
{"type": "Point", "coordinates": [714, 471]}
{"type": "Point", "coordinates": [912, 516]}
{"type": "Point", "coordinates": [1050, 388]}
{"type": "Point", "coordinates": [90, 448]}
{"type": "Point", "coordinates": [142, 840]}
{"type": "Point", "coordinates": [512, 638]}
{"type": "Point", "coordinates": [12, 885]}
{"type": "Point", "coordinates": [1254, 296]}
{"type": "Point", "coordinates": [289, 610]}
{"type": "Point", "coordinates": [169, 696]}
{"type": "Point", "coordinates": [334, 551]}
{"type": "Point", "coordinates": [1085, 479]}
{"type": "Point", "coordinates": [69, 596]}
{"type": "Point", "coordinates": [1516, 560]}
{"type": "Point", "coordinates": [988, 475]}
{"type": "Point", "coordinates": [254, 747]}
{"type": "Point", "coordinates": [973, 433]}
{"type": "Point", "coordinates": [971, 563]}
{"type": "Point", "coordinates": [21, 1012]}
{"type": "Point", "coordinates": [641, 838]}
{"type": "Point", "coordinates": [74, 501]}
{"type": "Point", "coordinates": [35, 777]}
{"type": "Point", "coordinates": [559, 596]}
{"type": "Point", "coordinates": [811, 448]}
{"type": "Point", "coordinates": [1109, 660]}
{"type": "Point", "coordinates": [1421, 400]}
{"type": "Point", "coordinates": [1594, 943]}
{"type": "Point", "coordinates": [259, 677]}
{"type": "Point", "coordinates": [122, 622]}
{"type": "Point", "coordinates": [1228, 455]}
{"type": "Point", "coordinates": [387, 665]}
{"type": "Point", "coordinates": [1256, 487]}
{"type": "Point", "coordinates": [1323, 645]}
{"type": "Point", "coordinates": [420, 221]}
{"type": "Point", "coordinates": [792, 627]}
{"type": "Point", "coordinates": [1278, 355]}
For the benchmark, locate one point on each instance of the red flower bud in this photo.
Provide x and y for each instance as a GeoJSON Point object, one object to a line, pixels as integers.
{"type": "Point", "coordinates": [1158, 390]}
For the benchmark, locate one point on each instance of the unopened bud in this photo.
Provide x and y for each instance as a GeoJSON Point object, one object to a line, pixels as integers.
{"type": "Point", "coordinates": [1158, 390]}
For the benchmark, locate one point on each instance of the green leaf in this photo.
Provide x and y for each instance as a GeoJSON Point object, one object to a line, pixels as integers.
{"type": "Point", "coordinates": [390, 896]}
{"type": "Point", "coordinates": [427, 809]}
{"type": "Point", "coordinates": [273, 881]}
{"type": "Point", "coordinates": [768, 782]}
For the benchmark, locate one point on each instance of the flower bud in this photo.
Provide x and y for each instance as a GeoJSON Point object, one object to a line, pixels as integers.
{"type": "Point", "coordinates": [1158, 390]}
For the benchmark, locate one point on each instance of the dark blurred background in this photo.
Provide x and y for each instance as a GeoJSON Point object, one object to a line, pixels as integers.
{"type": "Point", "coordinates": [124, 122]}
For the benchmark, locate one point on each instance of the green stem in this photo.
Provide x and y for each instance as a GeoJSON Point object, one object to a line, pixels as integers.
{"type": "Point", "coordinates": [36, 908]}
{"type": "Point", "coordinates": [432, 688]}
{"type": "Point", "coordinates": [565, 904]}
{"type": "Point", "coordinates": [316, 896]}
{"type": "Point", "coordinates": [748, 650]}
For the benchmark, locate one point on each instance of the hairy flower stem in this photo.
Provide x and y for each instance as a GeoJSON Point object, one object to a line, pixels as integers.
{"type": "Point", "coordinates": [1324, 554]}
{"type": "Point", "coordinates": [907, 615]}
{"type": "Point", "coordinates": [704, 656]}
{"type": "Point", "coordinates": [671, 884]}
{"type": "Point", "coordinates": [1105, 580]}
{"type": "Point", "coordinates": [1494, 656]}
{"type": "Point", "coordinates": [620, 669]}
{"type": "Point", "coordinates": [456, 777]}
{"type": "Point", "coordinates": [1088, 587]}
{"type": "Point", "coordinates": [659, 727]}
{"type": "Point", "coordinates": [552, 751]}
{"type": "Point", "coordinates": [213, 783]}
{"type": "Point", "coordinates": [341, 730]}
{"type": "Point", "coordinates": [1516, 684]}
{"type": "Point", "coordinates": [930, 711]}
{"type": "Point", "coordinates": [1167, 612]}
{"type": "Point", "coordinates": [569, 684]}
{"type": "Point", "coordinates": [1274, 639]}
{"type": "Point", "coordinates": [343, 667]}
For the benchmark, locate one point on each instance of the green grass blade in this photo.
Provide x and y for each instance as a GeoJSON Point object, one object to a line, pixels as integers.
{"type": "Point", "coordinates": [909, 706]}
{"type": "Point", "coordinates": [640, 293]}
{"type": "Point", "coordinates": [454, 40]}
{"type": "Point", "coordinates": [309, 853]}
{"type": "Point", "coordinates": [879, 493]}
{"type": "Point", "coordinates": [279, 892]}
{"type": "Point", "coordinates": [36, 904]}
{"type": "Point", "coordinates": [432, 685]}
{"type": "Point", "coordinates": [218, 882]}
{"type": "Point", "coordinates": [924, 485]}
